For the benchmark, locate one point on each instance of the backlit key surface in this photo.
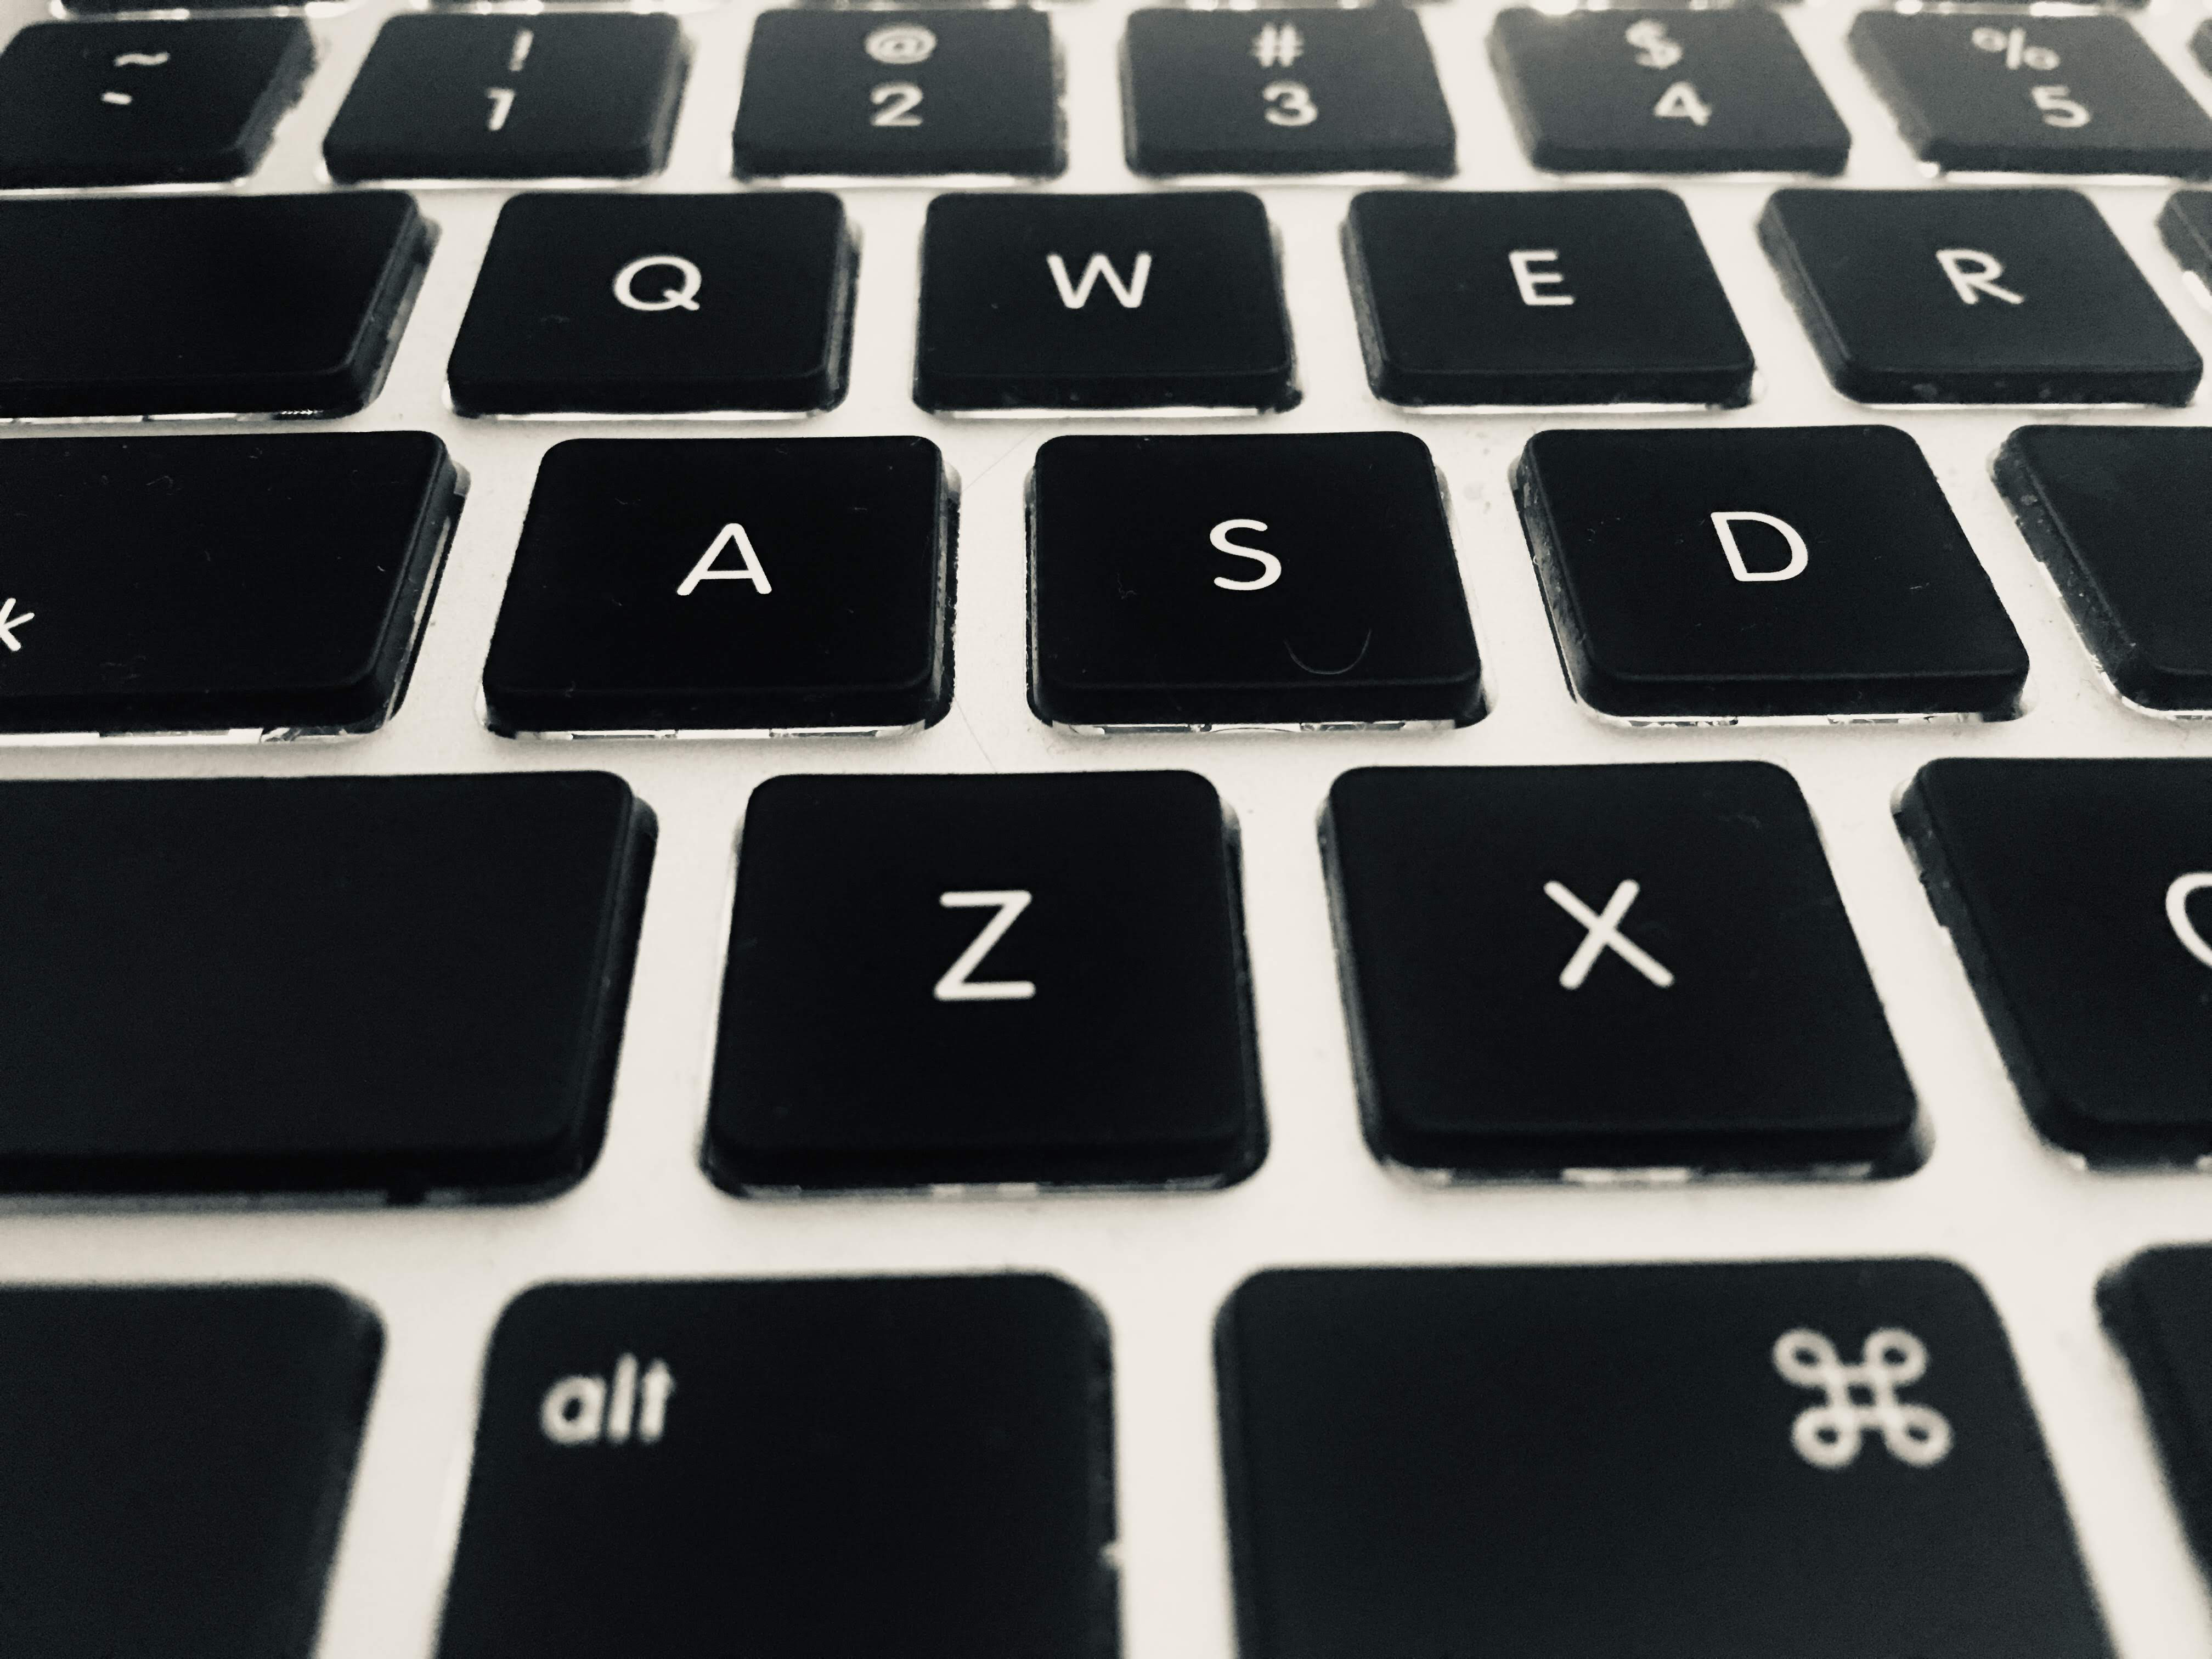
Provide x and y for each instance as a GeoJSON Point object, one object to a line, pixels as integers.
{"type": "Point", "coordinates": [1827, 1459]}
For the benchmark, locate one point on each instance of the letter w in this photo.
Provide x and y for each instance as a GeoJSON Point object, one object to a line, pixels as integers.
{"type": "Point", "coordinates": [1076, 295]}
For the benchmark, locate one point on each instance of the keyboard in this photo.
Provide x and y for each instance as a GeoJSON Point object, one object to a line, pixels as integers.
{"type": "Point", "coordinates": [1376, 832]}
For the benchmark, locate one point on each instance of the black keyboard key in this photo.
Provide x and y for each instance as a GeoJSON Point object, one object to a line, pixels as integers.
{"type": "Point", "coordinates": [1161, 300]}
{"type": "Point", "coordinates": [1762, 572]}
{"type": "Point", "coordinates": [146, 103]}
{"type": "Point", "coordinates": [1974, 296]}
{"type": "Point", "coordinates": [403, 986]}
{"type": "Point", "coordinates": [1518, 297]}
{"type": "Point", "coordinates": [1549, 969]}
{"type": "Point", "coordinates": [877, 93]}
{"type": "Point", "coordinates": [2078, 895]}
{"type": "Point", "coordinates": [918, 1467]}
{"type": "Point", "coordinates": [1225, 581]}
{"type": "Point", "coordinates": [179, 1461]}
{"type": "Point", "coordinates": [2186, 227]}
{"type": "Point", "coordinates": [134, 305]}
{"type": "Point", "coordinates": [1273, 92]}
{"type": "Point", "coordinates": [2010, 92]}
{"type": "Point", "coordinates": [733, 584]}
{"type": "Point", "coordinates": [2158, 1307]}
{"type": "Point", "coordinates": [2117, 513]}
{"type": "Point", "coordinates": [1664, 91]}
{"type": "Point", "coordinates": [1828, 1459]}
{"type": "Point", "coordinates": [652, 304]}
{"type": "Point", "coordinates": [996, 979]}
{"type": "Point", "coordinates": [532, 95]}
{"type": "Point", "coordinates": [264, 585]}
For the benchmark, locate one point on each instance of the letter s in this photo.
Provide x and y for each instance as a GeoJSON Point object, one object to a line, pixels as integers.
{"type": "Point", "coordinates": [1271, 568]}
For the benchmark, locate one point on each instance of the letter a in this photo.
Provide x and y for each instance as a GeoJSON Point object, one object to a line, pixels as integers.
{"type": "Point", "coordinates": [704, 571]}
{"type": "Point", "coordinates": [1076, 295]}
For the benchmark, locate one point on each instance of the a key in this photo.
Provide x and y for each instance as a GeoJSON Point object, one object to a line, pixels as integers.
{"type": "Point", "coordinates": [2119, 515]}
{"type": "Point", "coordinates": [1974, 296]}
{"type": "Point", "coordinates": [248, 585]}
{"type": "Point", "coordinates": [1518, 297]}
{"type": "Point", "coordinates": [2158, 1307]}
{"type": "Point", "coordinates": [2185, 225]}
{"type": "Point", "coordinates": [1213, 581]}
{"type": "Point", "coordinates": [1554, 969]}
{"type": "Point", "coordinates": [918, 1467]}
{"type": "Point", "coordinates": [651, 304]}
{"type": "Point", "coordinates": [519, 96]}
{"type": "Point", "coordinates": [989, 979]}
{"type": "Point", "coordinates": [1762, 572]}
{"type": "Point", "coordinates": [146, 103]}
{"type": "Point", "coordinates": [409, 987]}
{"type": "Point", "coordinates": [1664, 91]}
{"type": "Point", "coordinates": [2078, 895]}
{"type": "Point", "coordinates": [179, 1459]}
{"type": "Point", "coordinates": [2011, 92]}
{"type": "Point", "coordinates": [1281, 92]}
{"type": "Point", "coordinates": [1829, 1460]}
{"type": "Point", "coordinates": [734, 585]}
{"type": "Point", "coordinates": [1145, 301]}
{"type": "Point", "coordinates": [121, 306]}
{"type": "Point", "coordinates": [874, 93]}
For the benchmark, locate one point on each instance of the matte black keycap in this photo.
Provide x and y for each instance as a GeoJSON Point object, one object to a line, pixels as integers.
{"type": "Point", "coordinates": [1515, 297]}
{"type": "Point", "coordinates": [1557, 968]}
{"type": "Point", "coordinates": [652, 304]}
{"type": "Point", "coordinates": [2185, 225]}
{"type": "Point", "coordinates": [403, 986]}
{"type": "Point", "coordinates": [1830, 1460]}
{"type": "Point", "coordinates": [234, 584]}
{"type": "Point", "coordinates": [745, 584]}
{"type": "Point", "coordinates": [1207, 581]}
{"type": "Point", "coordinates": [1664, 91]}
{"type": "Point", "coordinates": [2078, 895]}
{"type": "Point", "coordinates": [2009, 92]}
{"type": "Point", "coordinates": [2123, 518]}
{"type": "Point", "coordinates": [1161, 301]}
{"type": "Point", "coordinates": [874, 93]}
{"type": "Point", "coordinates": [919, 1467]}
{"type": "Point", "coordinates": [1280, 92]}
{"type": "Point", "coordinates": [179, 1461]}
{"type": "Point", "coordinates": [2158, 1307]}
{"type": "Point", "coordinates": [535, 95]}
{"type": "Point", "coordinates": [135, 306]}
{"type": "Point", "coordinates": [1974, 296]}
{"type": "Point", "coordinates": [1762, 572]}
{"type": "Point", "coordinates": [145, 103]}
{"type": "Point", "coordinates": [996, 978]}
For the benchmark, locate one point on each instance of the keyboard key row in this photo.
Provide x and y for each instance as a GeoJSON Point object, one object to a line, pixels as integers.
{"type": "Point", "coordinates": [413, 987]}
{"type": "Point", "coordinates": [654, 304]}
{"type": "Point", "coordinates": [276, 587]}
{"type": "Point", "coordinates": [579, 94]}
{"type": "Point", "coordinates": [1579, 1461]}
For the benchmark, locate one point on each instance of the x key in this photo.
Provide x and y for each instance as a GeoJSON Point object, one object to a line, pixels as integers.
{"type": "Point", "coordinates": [1736, 1030]}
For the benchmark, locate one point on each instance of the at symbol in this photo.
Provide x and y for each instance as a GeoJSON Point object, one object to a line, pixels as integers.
{"type": "Point", "coordinates": [900, 43]}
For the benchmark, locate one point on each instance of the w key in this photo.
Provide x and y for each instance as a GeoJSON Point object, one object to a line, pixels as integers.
{"type": "Point", "coordinates": [135, 306]}
{"type": "Point", "coordinates": [249, 586]}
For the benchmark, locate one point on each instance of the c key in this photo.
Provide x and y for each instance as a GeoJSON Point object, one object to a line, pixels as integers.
{"type": "Point", "coordinates": [936, 980]}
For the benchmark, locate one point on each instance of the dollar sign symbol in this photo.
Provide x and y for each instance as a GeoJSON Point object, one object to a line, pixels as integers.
{"type": "Point", "coordinates": [1654, 49]}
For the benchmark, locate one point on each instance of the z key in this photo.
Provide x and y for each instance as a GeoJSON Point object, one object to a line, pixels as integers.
{"type": "Point", "coordinates": [2007, 92]}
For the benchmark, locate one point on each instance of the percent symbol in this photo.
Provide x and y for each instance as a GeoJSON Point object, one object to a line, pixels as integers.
{"type": "Point", "coordinates": [2013, 43]}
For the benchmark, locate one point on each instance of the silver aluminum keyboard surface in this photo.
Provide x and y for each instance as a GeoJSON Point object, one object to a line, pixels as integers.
{"type": "Point", "coordinates": [2036, 1230]}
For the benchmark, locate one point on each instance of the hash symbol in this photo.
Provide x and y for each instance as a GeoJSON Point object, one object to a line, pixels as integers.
{"type": "Point", "coordinates": [1277, 45]}
{"type": "Point", "coordinates": [1828, 1436]}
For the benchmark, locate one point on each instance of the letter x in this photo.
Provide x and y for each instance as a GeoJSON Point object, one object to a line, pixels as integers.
{"type": "Point", "coordinates": [1604, 935]}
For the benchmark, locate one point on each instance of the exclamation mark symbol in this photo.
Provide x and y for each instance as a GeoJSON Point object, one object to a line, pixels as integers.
{"type": "Point", "coordinates": [519, 53]}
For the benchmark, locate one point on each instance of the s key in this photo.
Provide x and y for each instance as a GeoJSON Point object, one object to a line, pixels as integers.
{"type": "Point", "coordinates": [269, 585]}
{"type": "Point", "coordinates": [1822, 1460]}
{"type": "Point", "coordinates": [136, 305]}
{"type": "Point", "coordinates": [1196, 583]}
{"type": "Point", "coordinates": [792, 1469]}
{"type": "Point", "coordinates": [1974, 296]}
{"type": "Point", "coordinates": [935, 980]}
